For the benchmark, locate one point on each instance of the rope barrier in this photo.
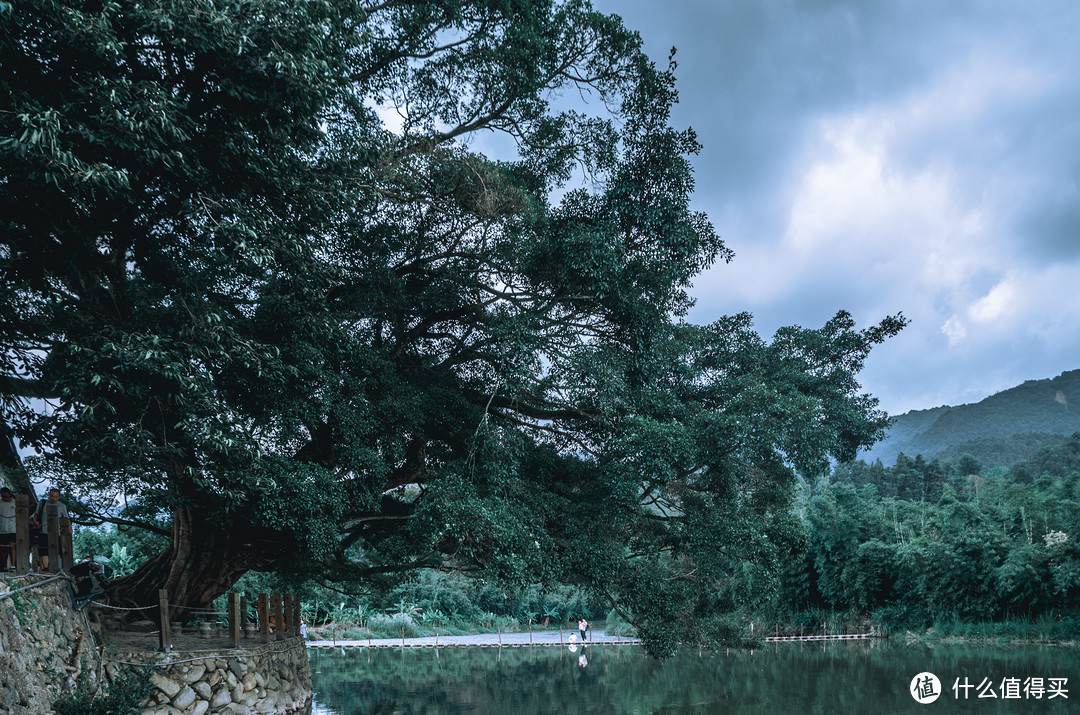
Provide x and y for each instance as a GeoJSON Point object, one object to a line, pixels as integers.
{"type": "Point", "coordinates": [57, 577]}
{"type": "Point", "coordinates": [217, 655]}
{"type": "Point", "coordinates": [202, 611]}
{"type": "Point", "coordinates": [121, 608]}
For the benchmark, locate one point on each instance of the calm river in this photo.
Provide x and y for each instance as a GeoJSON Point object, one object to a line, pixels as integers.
{"type": "Point", "coordinates": [783, 678]}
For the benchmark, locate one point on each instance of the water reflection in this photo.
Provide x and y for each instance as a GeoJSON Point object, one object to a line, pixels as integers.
{"type": "Point", "coordinates": [785, 678]}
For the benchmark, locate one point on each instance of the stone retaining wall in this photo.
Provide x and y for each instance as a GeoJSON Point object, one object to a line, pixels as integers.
{"type": "Point", "coordinates": [275, 678]}
{"type": "Point", "coordinates": [45, 645]}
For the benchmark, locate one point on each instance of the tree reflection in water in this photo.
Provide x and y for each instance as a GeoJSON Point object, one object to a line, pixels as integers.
{"type": "Point", "coordinates": [783, 678]}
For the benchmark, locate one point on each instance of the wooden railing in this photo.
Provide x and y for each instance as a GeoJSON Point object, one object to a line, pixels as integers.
{"type": "Point", "coordinates": [278, 618]}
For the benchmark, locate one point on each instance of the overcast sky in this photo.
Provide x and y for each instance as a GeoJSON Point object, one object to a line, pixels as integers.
{"type": "Point", "coordinates": [884, 157]}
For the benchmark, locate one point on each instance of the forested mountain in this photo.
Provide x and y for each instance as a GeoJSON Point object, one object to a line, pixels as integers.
{"type": "Point", "coordinates": [1002, 429]}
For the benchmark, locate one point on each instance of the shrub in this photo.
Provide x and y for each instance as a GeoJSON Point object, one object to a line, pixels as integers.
{"type": "Point", "coordinates": [123, 697]}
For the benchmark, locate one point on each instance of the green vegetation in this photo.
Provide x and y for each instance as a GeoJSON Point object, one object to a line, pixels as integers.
{"type": "Point", "coordinates": [296, 336]}
{"type": "Point", "coordinates": [1000, 430]}
{"type": "Point", "coordinates": [123, 697]}
{"type": "Point", "coordinates": [19, 605]}
{"type": "Point", "coordinates": [970, 553]}
{"type": "Point", "coordinates": [428, 600]}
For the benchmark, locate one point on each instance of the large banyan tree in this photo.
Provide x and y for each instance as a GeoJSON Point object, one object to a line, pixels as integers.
{"type": "Point", "coordinates": [358, 288]}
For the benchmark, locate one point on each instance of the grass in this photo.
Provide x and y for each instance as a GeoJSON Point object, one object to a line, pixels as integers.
{"type": "Point", "coordinates": [1022, 629]}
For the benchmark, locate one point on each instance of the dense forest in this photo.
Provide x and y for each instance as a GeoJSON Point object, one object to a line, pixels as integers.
{"type": "Point", "coordinates": [926, 543]}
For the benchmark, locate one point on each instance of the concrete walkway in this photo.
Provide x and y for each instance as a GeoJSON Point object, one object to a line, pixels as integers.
{"type": "Point", "coordinates": [483, 640]}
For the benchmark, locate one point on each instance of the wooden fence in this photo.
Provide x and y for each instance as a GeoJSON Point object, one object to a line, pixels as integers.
{"type": "Point", "coordinates": [277, 618]}
{"type": "Point", "coordinates": [273, 621]}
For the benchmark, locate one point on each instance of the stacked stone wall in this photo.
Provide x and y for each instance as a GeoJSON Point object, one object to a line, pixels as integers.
{"type": "Point", "coordinates": [274, 678]}
{"type": "Point", "coordinates": [46, 646]}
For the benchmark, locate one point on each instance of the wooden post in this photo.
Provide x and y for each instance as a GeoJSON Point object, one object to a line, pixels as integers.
{"type": "Point", "coordinates": [22, 533]}
{"type": "Point", "coordinates": [243, 610]}
{"type": "Point", "coordinates": [263, 607]}
{"type": "Point", "coordinates": [296, 614]}
{"type": "Point", "coordinates": [66, 548]}
{"type": "Point", "coordinates": [234, 620]}
{"type": "Point", "coordinates": [286, 612]}
{"type": "Point", "coordinates": [163, 617]}
{"type": "Point", "coordinates": [275, 610]}
{"type": "Point", "coordinates": [52, 518]}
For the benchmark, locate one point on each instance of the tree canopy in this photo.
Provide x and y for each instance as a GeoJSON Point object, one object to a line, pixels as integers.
{"type": "Point", "coordinates": [263, 284]}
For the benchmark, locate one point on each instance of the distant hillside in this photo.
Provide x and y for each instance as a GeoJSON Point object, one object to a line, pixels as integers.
{"type": "Point", "coordinates": [1004, 428]}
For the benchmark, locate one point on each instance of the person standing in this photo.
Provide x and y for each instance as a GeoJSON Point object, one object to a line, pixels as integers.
{"type": "Point", "coordinates": [42, 518]}
{"type": "Point", "coordinates": [7, 530]}
{"type": "Point", "coordinates": [582, 626]}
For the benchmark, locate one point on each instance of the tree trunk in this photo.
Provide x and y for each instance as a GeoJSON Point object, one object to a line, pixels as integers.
{"type": "Point", "coordinates": [201, 563]}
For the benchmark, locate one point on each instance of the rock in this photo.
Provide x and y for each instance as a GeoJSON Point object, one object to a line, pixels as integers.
{"type": "Point", "coordinates": [203, 689]}
{"type": "Point", "coordinates": [195, 674]}
{"type": "Point", "coordinates": [238, 693]}
{"type": "Point", "coordinates": [184, 698]}
{"type": "Point", "coordinates": [165, 685]}
{"type": "Point", "coordinates": [199, 708]}
{"type": "Point", "coordinates": [231, 679]}
{"type": "Point", "coordinates": [249, 682]}
{"type": "Point", "coordinates": [222, 697]}
{"type": "Point", "coordinates": [215, 678]}
{"type": "Point", "coordinates": [237, 668]}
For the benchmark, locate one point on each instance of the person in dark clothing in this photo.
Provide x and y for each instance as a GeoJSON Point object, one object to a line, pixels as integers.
{"type": "Point", "coordinates": [7, 530]}
{"type": "Point", "coordinates": [41, 517]}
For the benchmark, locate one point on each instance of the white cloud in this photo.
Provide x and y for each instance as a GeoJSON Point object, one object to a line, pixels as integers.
{"type": "Point", "coordinates": [996, 304]}
{"type": "Point", "coordinates": [892, 156]}
{"type": "Point", "coordinates": [954, 330]}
